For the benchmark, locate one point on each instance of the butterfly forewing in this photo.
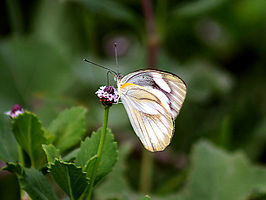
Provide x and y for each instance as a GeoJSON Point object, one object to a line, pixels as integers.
{"type": "Point", "coordinates": [152, 100]}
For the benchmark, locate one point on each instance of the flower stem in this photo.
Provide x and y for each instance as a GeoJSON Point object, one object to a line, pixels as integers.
{"type": "Point", "coordinates": [21, 156]}
{"type": "Point", "coordinates": [22, 163]}
{"type": "Point", "coordinates": [152, 37]}
{"type": "Point", "coordinates": [152, 52]}
{"type": "Point", "coordinates": [146, 171]}
{"type": "Point", "coordinates": [99, 152]}
{"type": "Point", "coordinates": [15, 16]}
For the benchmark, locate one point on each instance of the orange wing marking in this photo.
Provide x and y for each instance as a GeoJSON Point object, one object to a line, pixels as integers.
{"type": "Point", "coordinates": [126, 84]}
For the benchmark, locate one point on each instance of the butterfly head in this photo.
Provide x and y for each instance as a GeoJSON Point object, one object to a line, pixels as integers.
{"type": "Point", "coordinates": [118, 76]}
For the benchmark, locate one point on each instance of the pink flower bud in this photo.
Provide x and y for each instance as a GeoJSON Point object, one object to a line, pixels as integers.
{"type": "Point", "coordinates": [108, 95]}
{"type": "Point", "coordinates": [15, 111]}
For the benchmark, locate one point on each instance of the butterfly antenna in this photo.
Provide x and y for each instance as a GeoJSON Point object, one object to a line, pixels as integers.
{"type": "Point", "coordinates": [109, 70]}
{"type": "Point", "coordinates": [116, 60]}
{"type": "Point", "coordinates": [108, 82]}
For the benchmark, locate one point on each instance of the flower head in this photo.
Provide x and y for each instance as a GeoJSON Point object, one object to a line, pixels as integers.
{"type": "Point", "coordinates": [15, 111]}
{"type": "Point", "coordinates": [108, 95]}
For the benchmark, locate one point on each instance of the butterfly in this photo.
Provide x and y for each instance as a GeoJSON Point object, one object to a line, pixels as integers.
{"type": "Point", "coordinates": [152, 99]}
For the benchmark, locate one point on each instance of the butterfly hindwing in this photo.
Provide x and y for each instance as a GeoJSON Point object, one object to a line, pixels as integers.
{"type": "Point", "coordinates": [150, 120]}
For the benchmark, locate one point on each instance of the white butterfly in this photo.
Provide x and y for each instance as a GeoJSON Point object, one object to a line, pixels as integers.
{"type": "Point", "coordinates": [152, 99]}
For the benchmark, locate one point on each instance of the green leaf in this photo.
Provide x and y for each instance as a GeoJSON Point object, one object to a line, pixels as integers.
{"type": "Point", "coordinates": [51, 152]}
{"type": "Point", "coordinates": [88, 150]}
{"type": "Point", "coordinates": [68, 127]}
{"type": "Point", "coordinates": [30, 134]}
{"type": "Point", "coordinates": [20, 55]}
{"type": "Point", "coordinates": [14, 168]}
{"type": "Point", "coordinates": [111, 8]}
{"type": "Point", "coordinates": [197, 7]}
{"type": "Point", "coordinates": [71, 155]}
{"type": "Point", "coordinates": [8, 144]}
{"type": "Point", "coordinates": [215, 174]}
{"type": "Point", "coordinates": [219, 175]}
{"type": "Point", "coordinates": [116, 186]}
{"type": "Point", "coordinates": [207, 80]}
{"type": "Point", "coordinates": [33, 182]}
{"type": "Point", "coordinates": [89, 167]}
{"type": "Point", "coordinates": [70, 178]}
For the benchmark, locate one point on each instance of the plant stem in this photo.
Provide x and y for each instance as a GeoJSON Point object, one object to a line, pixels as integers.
{"type": "Point", "coordinates": [91, 28]}
{"type": "Point", "coordinates": [152, 38]}
{"type": "Point", "coordinates": [152, 52]}
{"type": "Point", "coordinates": [21, 156]}
{"type": "Point", "coordinates": [22, 162]}
{"type": "Point", "coordinates": [146, 171]}
{"type": "Point", "coordinates": [161, 18]}
{"type": "Point", "coordinates": [99, 152]}
{"type": "Point", "coordinates": [15, 16]}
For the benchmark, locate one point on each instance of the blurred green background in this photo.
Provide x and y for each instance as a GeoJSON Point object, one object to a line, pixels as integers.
{"type": "Point", "coordinates": [218, 47]}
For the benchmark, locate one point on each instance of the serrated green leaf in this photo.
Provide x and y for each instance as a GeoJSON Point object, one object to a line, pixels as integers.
{"type": "Point", "coordinates": [71, 155]}
{"type": "Point", "coordinates": [49, 136]}
{"type": "Point", "coordinates": [33, 182]}
{"type": "Point", "coordinates": [70, 178]}
{"type": "Point", "coordinates": [68, 127]}
{"type": "Point", "coordinates": [30, 134]}
{"type": "Point", "coordinates": [116, 186]}
{"type": "Point", "coordinates": [89, 167]}
{"type": "Point", "coordinates": [14, 168]}
{"type": "Point", "coordinates": [8, 144]}
{"type": "Point", "coordinates": [51, 152]}
{"type": "Point", "coordinates": [89, 148]}
{"type": "Point", "coordinates": [37, 186]}
{"type": "Point", "coordinates": [226, 176]}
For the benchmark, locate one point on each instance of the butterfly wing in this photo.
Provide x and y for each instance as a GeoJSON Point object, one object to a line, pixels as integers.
{"type": "Point", "coordinates": [150, 119]}
{"type": "Point", "coordinates": [152, 100]}
{"type": "Point", "coordinates": [168, 87]}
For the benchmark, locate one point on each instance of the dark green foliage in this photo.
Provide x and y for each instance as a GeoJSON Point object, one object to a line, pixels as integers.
{"type": "Point", "coordinates": [30, 135]}
{"type": "Point", "coordinates": [8, 144]}
{"type": "Point", "coordinates": [217, 46]}
{"type": "Point", "coordinates": [51, 153]}
{"type": "Point", "coordinates": [225, 176]}
{"type": "Point", "coordinates": [116, 185]}
{"type": "Point", "coordinates": [86, 157]}
{"type": "Point", "coordinates": [69, 177]}
{"type": "Point", "coordinates": [73, 178]}
{"type": "Point", "coordinates": [68, 127]}
{"type": "Point", "coordinates": [33, 182]}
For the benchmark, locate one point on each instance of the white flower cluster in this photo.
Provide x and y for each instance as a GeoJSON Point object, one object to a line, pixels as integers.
{"type": "Point", "coordinates": [15, 111]}
{"type": "Point", "coordinates": [108, 95]}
